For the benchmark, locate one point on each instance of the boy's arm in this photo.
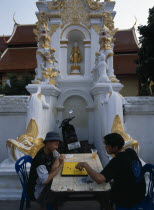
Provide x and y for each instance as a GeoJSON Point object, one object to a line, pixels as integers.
{"type": "Point", "coordinates": [55, 169]}
{"type": "Point", "coordinates": [97, 177]}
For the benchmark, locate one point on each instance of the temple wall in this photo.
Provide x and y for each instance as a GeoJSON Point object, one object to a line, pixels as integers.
{"type": "Point", "coordinates": [12, 120]}
{"type": "Point", "coordinates": [139, 122]}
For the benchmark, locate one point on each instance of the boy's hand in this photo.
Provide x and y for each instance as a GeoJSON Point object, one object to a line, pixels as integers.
{"type": "Point", "coordinates": [61, 159]}
{"type": "Point", "coordinates": [80, 166]}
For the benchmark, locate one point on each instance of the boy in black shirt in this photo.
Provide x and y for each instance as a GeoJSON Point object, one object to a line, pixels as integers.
{"type": "Point", "coordinates": [44, 168]}
{"type": "Point", "coordinates": [128, 188]}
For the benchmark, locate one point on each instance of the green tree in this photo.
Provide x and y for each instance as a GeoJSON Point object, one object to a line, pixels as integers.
{"type": "Point", "coordinates": [16, 84]}
{"type": "Point", "coordinates": [145, 69]}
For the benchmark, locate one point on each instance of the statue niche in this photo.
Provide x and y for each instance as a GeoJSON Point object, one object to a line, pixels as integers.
{"type": "Point", "coordinates": [75, 58]}
{"type": "Point", "coordinates": [75, 55]}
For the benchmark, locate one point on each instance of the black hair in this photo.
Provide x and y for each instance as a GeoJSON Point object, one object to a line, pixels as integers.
{"type": "Point", "coordinates": [114, 139]}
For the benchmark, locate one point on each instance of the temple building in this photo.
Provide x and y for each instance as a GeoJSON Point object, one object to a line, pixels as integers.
{"type": "Point", "coordinates": [18, 54]}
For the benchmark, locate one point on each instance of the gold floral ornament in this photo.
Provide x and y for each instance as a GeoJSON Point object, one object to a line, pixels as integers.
{"type": "Point", "coordinates": [50, 74]}
{"type": "Point", "coordinates": [56, 5]}
{"type": "Point", "coordinates": [74, 12]}
{"type": "Point", "coordinates": [118, 128]}
{"type": "Point", "coordinates": [42, 31]}
{"type": "Point", "coordinates": [27, 143]}
{"type": "Point", "coordinates": [105, 39]}
{"type": "Point", "coordinates": [109, 23]}
{"type": "Point", "coordinates": [95, 5]}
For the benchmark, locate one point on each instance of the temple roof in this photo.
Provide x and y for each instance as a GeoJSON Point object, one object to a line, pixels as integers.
{"type": "Point", "coordinates": [21, 52]}
{"type": "Point", "coordinates": [22, 34]}
{"type": "Point", "coordinates": [125, 64]}
{"type": "Point", "coordinates": [3, 46]}
{"type": "Point", "coordinates": [18, 59]}
{"type": "Point", "coordinates": [126, 41]}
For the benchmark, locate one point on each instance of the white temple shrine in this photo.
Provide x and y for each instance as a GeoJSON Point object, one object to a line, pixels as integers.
{"type": "Point", "coordinates": [75, 71]}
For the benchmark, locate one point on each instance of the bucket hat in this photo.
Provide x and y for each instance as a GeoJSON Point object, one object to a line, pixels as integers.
{"type": "Point", "coordinates": [52, 136]}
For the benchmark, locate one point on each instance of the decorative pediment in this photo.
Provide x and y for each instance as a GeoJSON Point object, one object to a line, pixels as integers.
{"type": "Point", "coordinates": [74, 12]}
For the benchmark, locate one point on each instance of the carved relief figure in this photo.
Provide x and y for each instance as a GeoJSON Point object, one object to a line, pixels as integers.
{"type": "Point", "coordinates": [106, 48]}
{"type": "Point", "coordinates": [101, 68]}
{"type": "Point", "coordinates": [45, 54]}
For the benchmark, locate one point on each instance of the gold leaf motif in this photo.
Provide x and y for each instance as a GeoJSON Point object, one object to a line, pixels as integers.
{"type": "Point", "coordinates": [56, 5]}
{"type": "Point", "coordinates": [97, 28]}
{"type": "Point", "coordinates": [27, 143]}
{"type": "Point", "coordinates": [95, 5]}
{"type": "Point", "coordinates": [109, 23]}
{"type": "Point", "coordinates": [53, 29]}
{"type": "Point", "coordinates": [96, 15]}
{"type": "Point", "coordinates": [74, 12]}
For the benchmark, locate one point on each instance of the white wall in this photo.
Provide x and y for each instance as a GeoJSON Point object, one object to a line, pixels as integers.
{"type": "Point", "coordinates": [139, 122]}
{"type": "Point", "coordinates": [12, 120]}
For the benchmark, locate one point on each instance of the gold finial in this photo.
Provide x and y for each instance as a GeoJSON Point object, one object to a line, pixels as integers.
{"type": "Point", "coordinates": [118, 128]}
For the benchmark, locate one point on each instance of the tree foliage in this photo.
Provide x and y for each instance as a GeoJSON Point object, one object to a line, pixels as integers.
{"type": "Point", "coordinates": [145, 69]}
{"type": "Point", "coordinates": [16, 84]}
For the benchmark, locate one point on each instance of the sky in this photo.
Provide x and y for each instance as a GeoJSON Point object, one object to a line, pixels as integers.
{"type": "Point", "coordinates": [126, 11]}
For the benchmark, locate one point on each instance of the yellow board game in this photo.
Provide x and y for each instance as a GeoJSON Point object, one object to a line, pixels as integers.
{"type": "Point", "coordinates": [70, 170]}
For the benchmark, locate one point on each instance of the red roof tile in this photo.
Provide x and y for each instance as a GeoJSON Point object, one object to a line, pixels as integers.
{"type": "Point", "coordinates": [3, 46]}
{"type": "Point", "coordinates": [15, 59]}
{"type": "Point", "coordinates": [22, 34]}
{"type": "Point", "coordinates": [125, 64]}
{"type": "Point", "coordinates": [126, 41]}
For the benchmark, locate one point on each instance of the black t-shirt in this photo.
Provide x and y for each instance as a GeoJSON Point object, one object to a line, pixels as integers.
{"type": "Point", "coordinates": [128, 187]}
{"type": "Point", "coordinates": [40, 159]}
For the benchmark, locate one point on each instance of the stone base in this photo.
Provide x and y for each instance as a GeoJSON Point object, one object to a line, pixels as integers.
{"type": "Point", "coordinates": [10, 186]}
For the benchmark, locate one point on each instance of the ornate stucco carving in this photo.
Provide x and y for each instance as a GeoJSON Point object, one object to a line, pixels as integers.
{"type": "Point", "coordinates": [56, 5]}
{"type": "Point", "coordinates": [95, 15]}
{"type": "Point", "coordinates": [109, 23]}
{"type": "Point", "coordinates": [53, 29]}
{"type": "Point", "coordinates": [74, 12]}
{"type": "Point", "coordinates": [95, 5]}
{"type": "Point", "coordinates": [97, 28]}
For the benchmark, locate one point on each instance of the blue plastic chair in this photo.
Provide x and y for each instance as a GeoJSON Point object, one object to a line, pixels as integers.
{"type": "Point", "coordinates": [148, 202]}
{"type": "Point", "coordinates": [20, 167]}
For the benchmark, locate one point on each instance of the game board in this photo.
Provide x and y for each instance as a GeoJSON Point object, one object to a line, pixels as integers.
{"type": "Point", "coordinates": [70, 170]}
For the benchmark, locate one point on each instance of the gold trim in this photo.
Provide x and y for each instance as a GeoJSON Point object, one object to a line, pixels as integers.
{"type": "Point", "coordinates": [75, 29]}
{"type": "Point", "coordinates": [95, 5]}
{"type": "Point", "coordinates": [87, 42]}
{"type": "Point", "coordinates": [54, 15]}
{"type": "Point", "coordinates": [95, 15]}
{"type": "Point", "coordinates": [109, 55]}
{"type": "Point", "coordinates": [54, 28]}
{"type": "Point", "coordinates": [56, 5]}
{"type": "Point", "coordinates": [63, 42]}
{"type": "Point", "coordinates": [73, 67]}
{"type": "Point", "coordinates": [97, 28]}
{"type": "Point", "coordinates": [74, 12]}
{"type": "Point", "coordinates": [75, 73]}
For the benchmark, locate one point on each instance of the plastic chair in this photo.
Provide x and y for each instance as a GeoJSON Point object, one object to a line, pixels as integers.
{"type": "Point", "coordinates": [148, 202]}
{"type": "Point", "coordinates": [21, 169]}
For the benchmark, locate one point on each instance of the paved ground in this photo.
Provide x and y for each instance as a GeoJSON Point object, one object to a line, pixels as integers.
{"type": "Point", "coordinates": [74, 205]}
